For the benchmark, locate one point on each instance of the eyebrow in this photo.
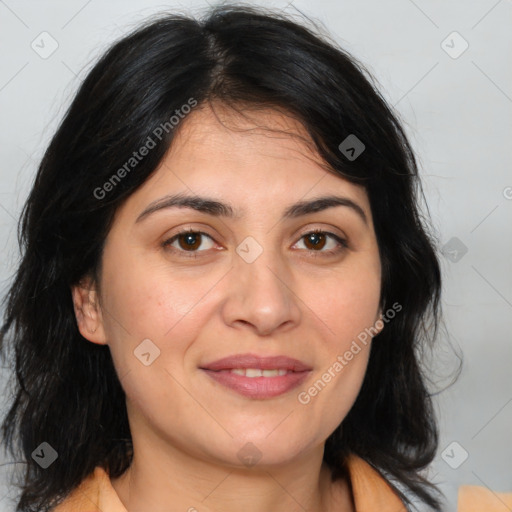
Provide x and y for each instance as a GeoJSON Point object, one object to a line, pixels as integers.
{"type": "Point", "coordinates": [216, 208]}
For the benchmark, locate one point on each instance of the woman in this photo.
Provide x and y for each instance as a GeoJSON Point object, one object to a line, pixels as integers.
{"type": "Point", "coordinates": [226, 282]}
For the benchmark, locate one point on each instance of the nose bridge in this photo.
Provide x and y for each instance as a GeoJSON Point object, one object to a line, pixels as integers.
{"type": "Point", "coordinates": [258, 265]}
{"type": "Point", "coordinates": [260, 295]}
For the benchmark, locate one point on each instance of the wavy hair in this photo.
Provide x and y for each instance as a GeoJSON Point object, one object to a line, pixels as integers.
{"type": "Point", "coordinates": [67, 392]}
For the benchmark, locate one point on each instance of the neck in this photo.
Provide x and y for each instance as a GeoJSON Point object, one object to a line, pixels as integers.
{"type": "Point", "coordinates": [163, 477]}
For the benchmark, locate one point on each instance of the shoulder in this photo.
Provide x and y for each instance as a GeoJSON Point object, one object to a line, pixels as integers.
{"type": "Point", "coordinates": [370, 490]}
{"type": "Point", "coordinates": [94, 494]}
{"type": "Point", "coordinates": [474, 498]}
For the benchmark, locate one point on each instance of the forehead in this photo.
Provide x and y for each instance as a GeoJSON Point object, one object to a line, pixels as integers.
{"type": "Point", "coordinates": [241, 128]}
{"type": "Point", "coordinates": [251, 158]}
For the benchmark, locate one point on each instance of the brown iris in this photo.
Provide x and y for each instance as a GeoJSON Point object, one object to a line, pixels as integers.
{"type": "Point", "coordinates": [317, 239]}
{"type": "Point", "coordinates": [189, 239]}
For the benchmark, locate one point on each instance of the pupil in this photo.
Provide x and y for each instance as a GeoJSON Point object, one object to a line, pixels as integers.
{"type": "Point", "coordinates": [314, 236]}
{"type": "Point", "coordinates": [190, 240]}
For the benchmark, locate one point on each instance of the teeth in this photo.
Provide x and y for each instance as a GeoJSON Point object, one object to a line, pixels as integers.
{"type": "Point", "coordinates": [256, 372]}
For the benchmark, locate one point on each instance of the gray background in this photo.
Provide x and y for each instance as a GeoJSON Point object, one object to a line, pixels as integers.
{"type": "Point", "coordinates": [457, 109]}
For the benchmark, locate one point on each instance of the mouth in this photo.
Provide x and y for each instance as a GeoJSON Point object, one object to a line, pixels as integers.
{"type": "Point", "coordinates": [255, 362]}
{"type": "Point", "coordinates": [258, 377]}
{"type": "Point", "coordinates": [257, 372]}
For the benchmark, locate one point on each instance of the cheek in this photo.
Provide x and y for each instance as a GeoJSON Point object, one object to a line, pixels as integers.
{"type": "Point", "coordinates": [136, 307]}
{"type": "Point", "coordinates": [146, 301]}
{"type": "Point", "coordinates": [145, 298]}
{"type": "Point", "coordinates": [348, 306]}
{"type": "Point", "coordinates": [348, 311]}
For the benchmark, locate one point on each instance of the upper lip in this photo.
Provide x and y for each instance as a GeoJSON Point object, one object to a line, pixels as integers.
{"type": "Point", "coordinates": [255, 361]}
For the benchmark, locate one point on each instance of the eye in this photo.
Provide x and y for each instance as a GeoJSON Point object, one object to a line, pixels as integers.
{"type": "Point", "coordinates": [189, 241]}
{"type": "Point", "coordinates": [315, 241]}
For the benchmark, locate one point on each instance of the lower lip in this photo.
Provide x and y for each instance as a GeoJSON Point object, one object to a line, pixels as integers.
{"type": "Point", "coordinates": [258, 387]}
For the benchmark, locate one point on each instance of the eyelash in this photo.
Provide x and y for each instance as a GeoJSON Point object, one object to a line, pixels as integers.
{"type": "Point", "coordinates": [193, 254]}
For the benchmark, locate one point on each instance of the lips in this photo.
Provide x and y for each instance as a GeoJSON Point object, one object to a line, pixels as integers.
{"type": "Point", "coordinates": [244, 361]}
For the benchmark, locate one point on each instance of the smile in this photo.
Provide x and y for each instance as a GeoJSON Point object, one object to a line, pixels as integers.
{"type": "Point", "coordinates": [256, 383]}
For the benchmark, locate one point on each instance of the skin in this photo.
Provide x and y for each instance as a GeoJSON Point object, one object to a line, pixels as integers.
{"type": "Point", "coordinates": [186, 428]}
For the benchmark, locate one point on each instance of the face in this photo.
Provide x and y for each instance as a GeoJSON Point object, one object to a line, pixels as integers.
{"type": "Point", "coordinates": [258, 282]}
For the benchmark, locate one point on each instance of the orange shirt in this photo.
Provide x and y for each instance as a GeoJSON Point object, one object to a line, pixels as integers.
{"type": "Point", "coordinates": [370, 490]}
{"type": "Point", "coordinates": [475, 498]}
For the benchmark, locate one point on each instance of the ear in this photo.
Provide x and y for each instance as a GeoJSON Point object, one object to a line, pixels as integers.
{"type": "Point", "coordinates": [88, 312]}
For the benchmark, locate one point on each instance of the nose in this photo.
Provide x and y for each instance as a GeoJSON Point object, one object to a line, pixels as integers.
{"type": "Point", "coordinates": [260, 293]}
